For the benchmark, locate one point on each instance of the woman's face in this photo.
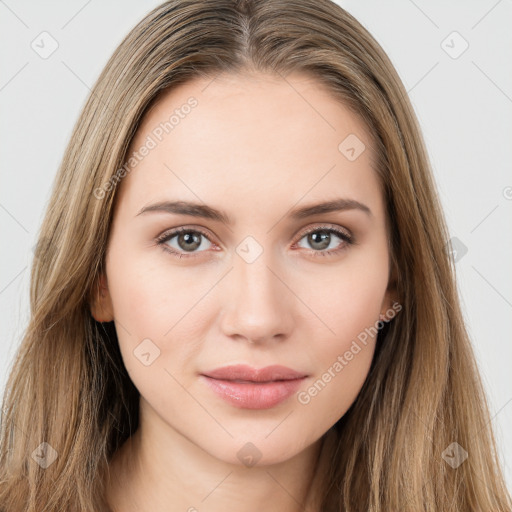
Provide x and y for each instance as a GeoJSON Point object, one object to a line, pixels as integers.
{"type": "Point", "coordinates": [261, 276]}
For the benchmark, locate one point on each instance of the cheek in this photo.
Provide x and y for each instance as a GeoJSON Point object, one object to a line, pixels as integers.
{"type": "Point", "coordinates": [342, 365]}
{"type": "Point", "coordinates": [350, 306]}
{"type": "Point", "coordinates": [157, 307]}
{"type": "Point", "coordinates": [328, 396]}
{"type": "Point", "coordinates": [151, 296]}
{"type": "Point", "coordinates": [349, 298]}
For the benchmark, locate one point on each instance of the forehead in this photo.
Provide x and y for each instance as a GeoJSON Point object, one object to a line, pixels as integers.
{"type": "Point", "coordinates": [259, 138]}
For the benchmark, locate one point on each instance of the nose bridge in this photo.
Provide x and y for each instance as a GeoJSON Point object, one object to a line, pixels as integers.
{"type": "Point", "coordinates": [257, 307]}
{"type": "Point", "coordinates": [254, 280]}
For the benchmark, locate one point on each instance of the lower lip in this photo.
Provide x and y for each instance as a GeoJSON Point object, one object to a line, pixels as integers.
{"type": "Point", "coordinates": [253, 395]}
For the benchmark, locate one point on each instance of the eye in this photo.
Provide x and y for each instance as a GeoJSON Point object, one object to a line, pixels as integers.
{"type": "Point", "coordinates": [187, 240]}
{"type": "Point", "coordinates": [183, 240]}
{"type": "Point", "coordinates": [323, 237]}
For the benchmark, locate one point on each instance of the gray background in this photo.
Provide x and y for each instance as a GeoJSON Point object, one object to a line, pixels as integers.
{"type": "Point", "coordinates": [463, 99]}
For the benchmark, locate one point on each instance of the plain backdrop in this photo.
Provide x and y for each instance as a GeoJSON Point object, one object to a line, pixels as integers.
{"type": "Point", "coordinates": [454, 59]}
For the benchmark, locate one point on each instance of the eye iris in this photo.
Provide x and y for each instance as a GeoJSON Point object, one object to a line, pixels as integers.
{"type": "Point", "coordinates": [322, 238]}
{"type": "Point", "coordinates": [192, 241]}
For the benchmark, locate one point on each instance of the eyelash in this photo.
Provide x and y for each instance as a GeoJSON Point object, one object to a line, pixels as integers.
{"type": "Point", "coordinates": [168, 235]}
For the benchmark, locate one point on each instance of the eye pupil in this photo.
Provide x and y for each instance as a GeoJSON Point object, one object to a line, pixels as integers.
{"type": "Point", "coordinates": [323, 238]}
{"type": "Point", "coordinates": [192, 241]}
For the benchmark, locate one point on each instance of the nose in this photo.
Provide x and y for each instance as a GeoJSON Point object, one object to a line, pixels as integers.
{"type": "Point", "coordinates": [258, 305]}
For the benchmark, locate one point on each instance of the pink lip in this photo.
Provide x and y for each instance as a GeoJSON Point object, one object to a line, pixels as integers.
{"type": "Point", "coordinates": [251, 388]}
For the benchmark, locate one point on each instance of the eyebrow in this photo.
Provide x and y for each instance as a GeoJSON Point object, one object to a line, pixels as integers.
{"type": "Point", "coordinates": [208, 212]}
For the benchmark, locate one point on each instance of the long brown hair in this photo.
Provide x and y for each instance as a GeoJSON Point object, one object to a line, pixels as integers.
{"type": "Point", "coordinates": [68, 386]}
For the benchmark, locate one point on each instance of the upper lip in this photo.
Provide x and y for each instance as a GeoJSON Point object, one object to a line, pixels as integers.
{"type": "Point", "coordinates": [247, 373]}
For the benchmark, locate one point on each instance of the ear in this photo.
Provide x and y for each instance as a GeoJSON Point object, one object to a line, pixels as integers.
{"type": "Point", "coordinates": [101, 302]}
{"type": "Point", "coordinates": [390, 304]}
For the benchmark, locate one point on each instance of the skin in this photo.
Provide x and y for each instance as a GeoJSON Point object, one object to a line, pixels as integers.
{"type": "Point", "coordinates": [255, 146]}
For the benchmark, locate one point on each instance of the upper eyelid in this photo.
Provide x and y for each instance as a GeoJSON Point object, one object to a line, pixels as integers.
{"type": "Point", "coordinates": [326, 227]}
{"type": "Point", "coordinates": [171, 233]}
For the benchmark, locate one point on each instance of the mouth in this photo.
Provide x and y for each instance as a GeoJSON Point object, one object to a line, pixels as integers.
{"type": "Point", "coordinates": [249, 388]}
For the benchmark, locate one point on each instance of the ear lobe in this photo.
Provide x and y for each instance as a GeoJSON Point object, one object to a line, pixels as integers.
{"type": "Point", "coordinates": [390, 303]}
{"type": "Point", "coordinates": [388, 311]}
{"type": "Point", "coordinates": [101, 302]}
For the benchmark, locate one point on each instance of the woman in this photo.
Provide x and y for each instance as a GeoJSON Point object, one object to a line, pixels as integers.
{"type": "Point", "coordinates": [241, 297]}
